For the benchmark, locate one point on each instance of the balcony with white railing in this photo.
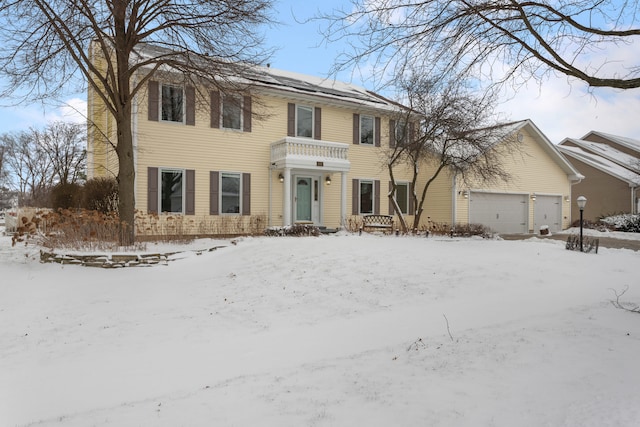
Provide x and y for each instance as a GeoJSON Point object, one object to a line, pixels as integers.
{"type": "Point", "coordinates": [308, 153]}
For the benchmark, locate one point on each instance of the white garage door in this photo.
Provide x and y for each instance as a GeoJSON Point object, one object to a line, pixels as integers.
{"type": "Point", "coordinates": [503, 213]}
{"type": "Point", "coordinates": [548, 211]}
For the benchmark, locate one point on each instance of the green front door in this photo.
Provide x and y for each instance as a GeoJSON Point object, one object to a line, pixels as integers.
{"type": "Point", "coordinates": [303, 198]}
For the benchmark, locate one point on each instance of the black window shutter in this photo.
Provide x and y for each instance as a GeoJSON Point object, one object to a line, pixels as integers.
{"type": "Point", "coordinates": [356, 128]}
{"type": "Point", "coordinates": [190, 203]}
{"type": "Point", "coordinates": [152, 190]}
{"type": "Point", "coordinates": [153, 92]}
{"type": "Point", "coordinates": [190, 95]}
{"type": "Point", "coordinates": [376, 134]}
{"type": "Point", "coordinates": [215, 109]}
{"type": "Point", "coordinates": [246, 122]}
{"type": "Point", "coordinates": [246, 194]}
{"type": "Point", "coordinates": [355, 194]}
{"type": "Point", "coordinates": [317, 125]}
{"type": "Point", "coordinates": [392, 133]}
{"type": "Point", "coordinates": [214, 192]}
{"type": "Point", "coordinates": [376, 197]}
{"type": "Point", "coordinates": [291, 119]}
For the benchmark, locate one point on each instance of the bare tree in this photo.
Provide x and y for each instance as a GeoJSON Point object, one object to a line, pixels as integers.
{"type": "Point", "coordinates": [30, 167]}
{"type": "Point", "coordinates": [45, 45]}
{"type": "Point", "coordinates": [446, 128]}
{"type": "Point", "coordinates": [511, 39]}
{"type": "Point", "coordinates": [65, 143]}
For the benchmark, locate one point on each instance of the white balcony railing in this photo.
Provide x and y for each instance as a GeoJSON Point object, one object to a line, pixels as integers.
{"type": "Point", "coordinates": [309, 152]}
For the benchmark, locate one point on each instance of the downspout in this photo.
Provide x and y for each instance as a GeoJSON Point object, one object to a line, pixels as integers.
{"type": "Point", "coordinates": [134, 136]}
{"type": "Point", "coordinates": [269, 213]}
{"type": "Point", "coordinates": [454, 198]}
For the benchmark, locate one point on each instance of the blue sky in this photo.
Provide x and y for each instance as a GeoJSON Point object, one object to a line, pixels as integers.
{"type": "Point", "coordinates": [560, 108]}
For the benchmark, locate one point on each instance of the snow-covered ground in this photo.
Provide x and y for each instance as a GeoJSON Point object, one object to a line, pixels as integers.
{"type": "Point", "coordinates": [340, 330]}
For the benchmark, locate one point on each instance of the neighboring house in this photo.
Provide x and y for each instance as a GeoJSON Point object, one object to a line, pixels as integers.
{"type": "Point", "coordinates": [611, 166]}
{"type": "Point", "coordinates": [300, 149]}
{"type": "Point", "coordinates": [537, 196]}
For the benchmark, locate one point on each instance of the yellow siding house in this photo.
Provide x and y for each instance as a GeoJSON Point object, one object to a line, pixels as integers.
{"type": "Point", "coordinates": [290, 149]}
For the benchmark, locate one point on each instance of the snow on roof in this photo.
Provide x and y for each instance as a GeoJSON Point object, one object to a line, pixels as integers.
{"type": "Point", "coordinates": [623, 159]}
{"type": "Point", "coordinates": [288, 81]}
{"type": "Point", "coordinates": [602, 164]}
{"type": "Point", "coordinates": [630, 143]}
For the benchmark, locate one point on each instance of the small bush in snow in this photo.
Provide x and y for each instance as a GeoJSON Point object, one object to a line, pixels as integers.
{"type": "Point", "coordinates": [627, 223]}
{"type": "Point", "coordinates": [296, 230]}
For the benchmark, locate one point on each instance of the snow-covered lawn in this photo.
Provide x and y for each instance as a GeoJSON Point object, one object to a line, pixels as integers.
{"type": "Point", "coordinates": [338, 330]}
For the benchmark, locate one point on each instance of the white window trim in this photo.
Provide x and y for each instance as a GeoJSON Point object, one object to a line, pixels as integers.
{"type": "Point", "coordinates": [161, 170]}
{"type": "Point", "coordinates": [221, 118]}
{"type": "Point", "coordinates": [184, 104]}
{"type": "Point", "coordinates": [373, 195]}
{"type": "Point", "coordinates": [313, 120]}
{"type": "Point", "coordinates": [220, 194]}
{"type": "Point", "coordinates": [373, 127]}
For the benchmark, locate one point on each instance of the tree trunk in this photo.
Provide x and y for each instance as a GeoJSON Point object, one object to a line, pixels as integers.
{"type": "Point", "coordinates": [126, 178]}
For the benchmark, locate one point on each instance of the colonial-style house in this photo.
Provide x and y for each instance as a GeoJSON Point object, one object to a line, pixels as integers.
{"type": "Point", "coordinates": [611, 166]}
{"type": "Point", "coordinates": [294, 149]}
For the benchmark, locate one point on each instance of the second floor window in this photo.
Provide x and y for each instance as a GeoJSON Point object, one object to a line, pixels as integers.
{"type": "Point", "coordinates": [232, 112]}
{"type": "Point", "coordinates": [402, 130]}
{"type": "Point", "coordinates": [366, 130]}
{"type": "Point", "coordinates": [304, 121]}
{"type": "Point", "coordinates": [172, 103]}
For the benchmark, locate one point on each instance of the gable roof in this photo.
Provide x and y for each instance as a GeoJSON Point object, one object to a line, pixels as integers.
{"type": "Point", "coordinates": [606, 151]}
{"type": "Point", "coordinates": [603, 164]}
{"type": "Point", "coordinates": [630, 143]}
{"type": "Point", "coordinates": [550, 148]}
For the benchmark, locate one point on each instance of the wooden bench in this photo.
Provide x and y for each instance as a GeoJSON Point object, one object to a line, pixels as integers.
{"type": "Point", "coordinates": [377, 222]}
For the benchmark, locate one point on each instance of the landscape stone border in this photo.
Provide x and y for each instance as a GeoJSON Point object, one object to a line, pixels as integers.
{"type": "Point", "coordinates": [114, 260]}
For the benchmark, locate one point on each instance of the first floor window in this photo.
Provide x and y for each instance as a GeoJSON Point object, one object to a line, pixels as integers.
{"type": "Point", "coordinates": [232, 112]}
{"type": "Point", "coordinates": [366, 130]}
{"type": "Point", "coordinates": [366, 197]}
{"type": "Point", "coordinates": [230, 192]}
{"type": "Point", "coordinates": [171, 193]}
{"type": "Point", "coordinates": [172, 103]}
{"type": "Point", "coordinates": [402, 196]}
{"type": "Point", "coordinates": [304, 121]}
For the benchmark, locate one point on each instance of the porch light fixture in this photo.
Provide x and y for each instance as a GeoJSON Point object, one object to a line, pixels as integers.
{"type": "Point", "coordinates": [281, 178]}
{"type": "Point", "coordinates": [582, 202]}
{"type": "Point", "coordinates": [327, 180]}
{"type": "Point", "coordinates": [566, 198]}
{"type": "Point", "coordinates": [533, 197]}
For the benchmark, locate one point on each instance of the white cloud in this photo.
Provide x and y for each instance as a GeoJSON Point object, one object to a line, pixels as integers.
{"type": "Point", "coordinates": [73, 110]}
{"type": "Point", "coordinates": [569, 109]}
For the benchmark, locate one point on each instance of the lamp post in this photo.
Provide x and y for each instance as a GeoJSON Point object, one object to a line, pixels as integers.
{"type": "Point", "coordinates": [582, 201]}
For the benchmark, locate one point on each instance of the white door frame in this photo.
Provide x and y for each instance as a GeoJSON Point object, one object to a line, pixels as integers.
{"type": "Point", "coordinates": [315, 196]}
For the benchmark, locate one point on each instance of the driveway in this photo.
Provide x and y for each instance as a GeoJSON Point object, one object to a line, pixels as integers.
{"type": "Point", "coordinates": [605, 242]}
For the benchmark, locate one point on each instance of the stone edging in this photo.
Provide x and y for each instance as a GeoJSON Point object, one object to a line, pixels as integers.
{"type": "Point", "coordinates": [114, 260]}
